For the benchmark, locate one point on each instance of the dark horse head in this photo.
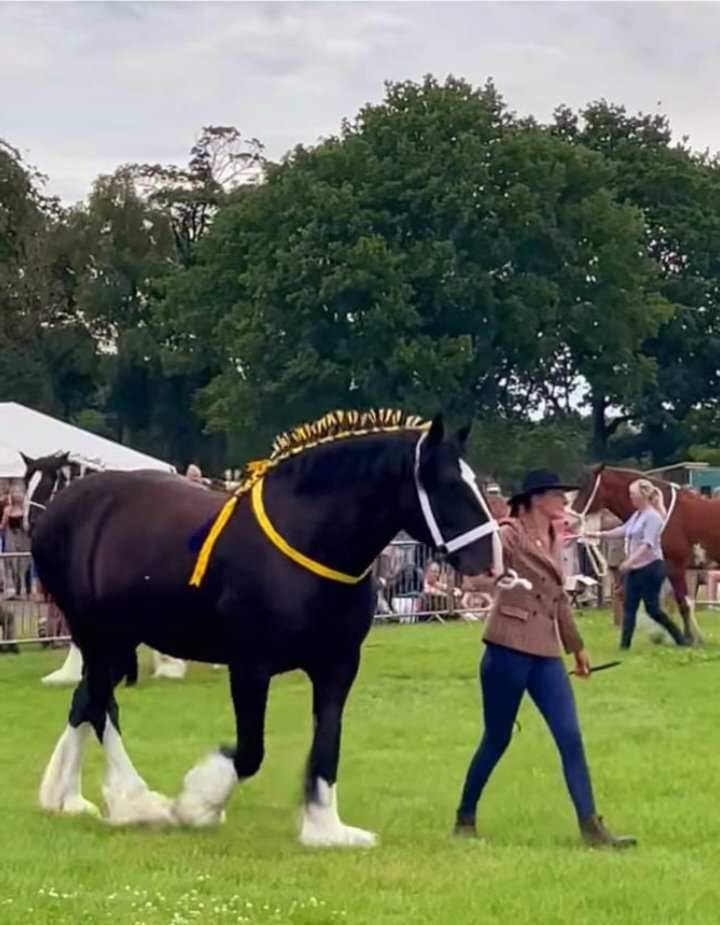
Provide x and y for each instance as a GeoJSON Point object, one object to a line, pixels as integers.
{"type": "Point", "coordinates": [450, 511]}
{"type": "Point", "coordinates": [408, 476]}
{"type": "Point", "coordinates": [44, 478]}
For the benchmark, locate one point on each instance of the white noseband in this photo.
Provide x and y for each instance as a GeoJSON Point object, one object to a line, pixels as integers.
{"type": "Point", "coordinates": [490, 527]}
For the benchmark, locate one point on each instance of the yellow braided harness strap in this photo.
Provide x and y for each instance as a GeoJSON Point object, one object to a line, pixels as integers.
{"type": "Point", "coordinates": [255, 471]}
{"type": "Point", "coordinates": [317, 568]}
{"type": "Point", "coordinates": [203, 559]}
{"type": "Point", "coordinates": [335, 425]}
{"type": "Point", "coordinates": [258, 508]}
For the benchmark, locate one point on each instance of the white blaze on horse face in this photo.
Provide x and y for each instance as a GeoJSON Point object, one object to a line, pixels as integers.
{"type": "Point", "coordinates": [60, 790]}
{"type": "Point", "coordinates": [321, 826]}
{"type": "Point", "coordinates": [206, 790]}
{"type": "Point", "coordinates": [128, 799]}
{"type": "Point", "coordinates": [456, 543]}
{"type": "Point", "coordinates": [32, 487]}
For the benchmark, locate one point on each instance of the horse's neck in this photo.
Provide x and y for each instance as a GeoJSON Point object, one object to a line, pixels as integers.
{"type": "Point", "coordinates": [345, 530]}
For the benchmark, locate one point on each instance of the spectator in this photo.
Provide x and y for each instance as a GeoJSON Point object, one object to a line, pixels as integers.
{"type": "Point", "coordinates": [194, 474]}
{"type": "Point", "coordinates": [16, 542]}
{"type": "Point", "coordinates": [477, 596]}
{"type": "Point", "coordinates": [497, 504]}
{"type": "Point", "coordinates": [438, 591]}
{"type": "Point", "coordinates": [435, 581]}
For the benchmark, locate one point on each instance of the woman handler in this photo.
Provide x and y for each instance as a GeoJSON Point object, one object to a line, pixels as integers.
{"type": "Point", "coordinates": [523, 637]}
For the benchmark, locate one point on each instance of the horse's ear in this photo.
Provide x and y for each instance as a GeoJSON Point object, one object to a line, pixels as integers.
{"type": "Point", "coordinates": [461, 437]}
{"type": "Point", "coordinates": [64, 458]}
{"type": "Point", "coordinates": [28, 460]}
{"type": "Point", "coordinates": [437, 431]}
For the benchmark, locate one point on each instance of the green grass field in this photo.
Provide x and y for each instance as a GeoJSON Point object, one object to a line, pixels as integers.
{"type": "Point", "coordinates": [651, 729]}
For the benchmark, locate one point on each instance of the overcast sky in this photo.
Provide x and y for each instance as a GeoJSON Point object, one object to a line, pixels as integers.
{"type": "Point", "coordinates": [85, 87]}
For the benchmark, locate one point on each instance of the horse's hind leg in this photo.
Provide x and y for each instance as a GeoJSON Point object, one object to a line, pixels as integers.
{"type": "Point", "coordinates": [208, 786]}
{"type": "Point", "coordinates": [321, 825]}
{"type": "Point", "coordinates": [128, 799]}
{"type": "Point", "coordinates": [686, 606]}
{"type": "Point", "coordinates": [60, 790]}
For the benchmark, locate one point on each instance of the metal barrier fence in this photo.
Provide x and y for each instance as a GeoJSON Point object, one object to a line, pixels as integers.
{"type": "Point", "coordinates": [26, 614]}
{"type": "Point", "coordinates": [412, 587]}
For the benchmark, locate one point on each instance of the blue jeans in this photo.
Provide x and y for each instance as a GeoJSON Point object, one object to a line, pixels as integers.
{"type": "Point", "coordinates": [644, 584]}
{"type": "Point", "coordinates": [505, 675]}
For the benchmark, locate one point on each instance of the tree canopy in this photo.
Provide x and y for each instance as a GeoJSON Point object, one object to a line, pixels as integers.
{"type": "Point", "coordinates": [557, 283]}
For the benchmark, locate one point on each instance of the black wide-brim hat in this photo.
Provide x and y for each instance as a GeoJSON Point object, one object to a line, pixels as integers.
{"type": "Point", "coordinates": [537, 481]}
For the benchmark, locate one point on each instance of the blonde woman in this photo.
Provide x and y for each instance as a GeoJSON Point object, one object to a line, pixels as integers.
{"type": "Point", "coordinates": [643, 567]}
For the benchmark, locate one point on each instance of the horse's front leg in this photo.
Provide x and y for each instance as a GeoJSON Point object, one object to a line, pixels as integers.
{"type": "Point", "coordinates": [321, 825]}
{"type": "Point", "coordinates": [208, 786]}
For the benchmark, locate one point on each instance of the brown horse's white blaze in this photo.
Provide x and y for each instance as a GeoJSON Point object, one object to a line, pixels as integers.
{"type": "Point", "coordinates": [690, 519]}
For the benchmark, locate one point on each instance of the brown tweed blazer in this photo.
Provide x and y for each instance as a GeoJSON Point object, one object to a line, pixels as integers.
{"type": "Point", "coordinates": [538, 621]}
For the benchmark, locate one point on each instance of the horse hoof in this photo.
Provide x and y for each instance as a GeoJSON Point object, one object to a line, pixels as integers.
{"type": "Point", "coordinates": [60, 678]}
{"type": "Point", "coordinates": [341, 836]}
{"type": "Point", "coordinates": [78, 806]}
{"type": "Point", "coordinates": [196, 816]}
{"type": "Point", "coordinates": [142, 807]}
{"type": "Point", "coordinates": [69, 806]}
{"type": "Point", "coordinates": [207, 788]}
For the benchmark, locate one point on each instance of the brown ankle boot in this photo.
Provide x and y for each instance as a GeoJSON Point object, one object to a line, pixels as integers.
{"type": "Point", "coordinates": [465, 826]}
{"type": "Point", "coordinates": [596, 835]}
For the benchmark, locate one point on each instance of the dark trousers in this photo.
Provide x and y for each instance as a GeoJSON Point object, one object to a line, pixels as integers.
{"type": "Point", "coordinates": [505, 675]}
{"type": "Point", "coordinates": [644, 584]}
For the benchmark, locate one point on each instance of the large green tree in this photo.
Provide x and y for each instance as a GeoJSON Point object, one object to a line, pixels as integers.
{"type": "Point", "coordinates": [438, 253]}
{"type": "Point", "coordinates": [46, 355]}
{"type": "Point", "coordinates": [677, 192]}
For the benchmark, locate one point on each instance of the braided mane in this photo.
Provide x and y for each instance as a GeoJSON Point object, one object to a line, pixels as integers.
{"type": "Point", "coordinates": [334, 426]}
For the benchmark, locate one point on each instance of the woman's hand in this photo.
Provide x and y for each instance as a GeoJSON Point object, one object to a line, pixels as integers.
{"type": "Point", "coordinates": [583, 668]}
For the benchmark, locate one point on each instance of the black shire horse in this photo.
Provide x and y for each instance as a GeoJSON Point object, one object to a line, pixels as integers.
{"type": "Point", "coordinates": [273, 580]}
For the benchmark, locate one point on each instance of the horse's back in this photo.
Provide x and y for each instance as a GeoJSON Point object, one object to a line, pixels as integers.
{"type": "Point", "coordinates": [102, 529]}
{"type": "Point", "coordinates": [130, 491]}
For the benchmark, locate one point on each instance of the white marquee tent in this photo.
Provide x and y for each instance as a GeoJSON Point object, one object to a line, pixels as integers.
{"type": "Point", "coordinates": [35, 434]}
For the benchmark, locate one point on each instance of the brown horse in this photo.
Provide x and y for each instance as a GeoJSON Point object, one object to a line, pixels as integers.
{"type": "Point", "coordinates": [692, 519]}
